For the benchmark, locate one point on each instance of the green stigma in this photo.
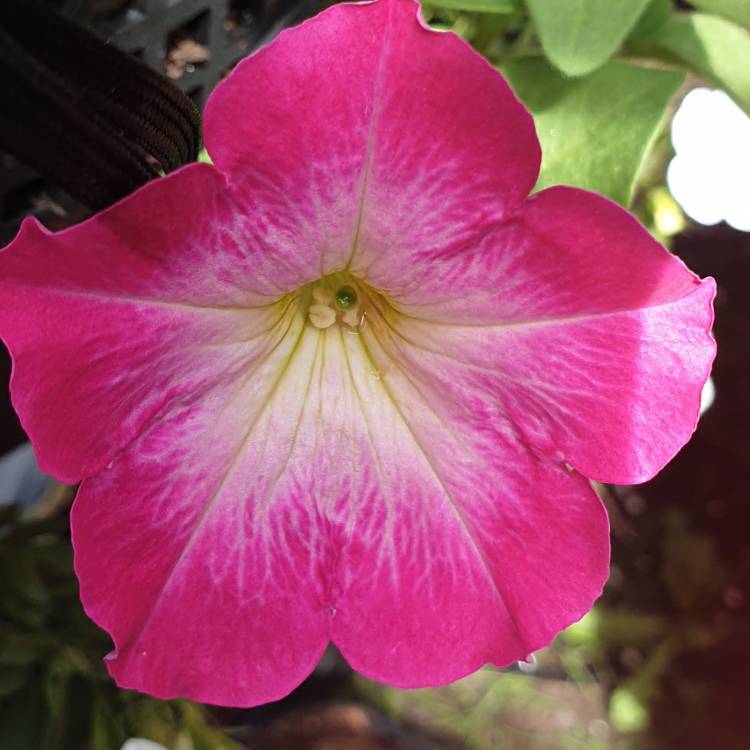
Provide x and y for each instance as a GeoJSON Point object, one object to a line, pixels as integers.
{"type": "Point", "coordinates": [346, 298]}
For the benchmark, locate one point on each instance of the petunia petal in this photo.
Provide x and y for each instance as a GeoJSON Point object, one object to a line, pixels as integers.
{"type": "Point", "coordinates": [466, 547]}
{"type": "Point", "coordinates": [365, 136]}
{"type": "Point", "coordinates": [206, 593]}
{"type": "Point", "coordinates": [327, 494]}
{"type": "Point", "coordinates": [111, 321]}
{"type": "Point", "coordinates": [406, 488]}
{"type": "Point", "coordinates": [222, 546]}
{"type": "Point", "coordinates": [590, 338]}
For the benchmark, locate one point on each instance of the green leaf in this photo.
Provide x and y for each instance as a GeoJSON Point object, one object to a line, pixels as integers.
{"type": "Point", "coordinates": [579, 36]}
{"type": "Point", "coordinates": [595, 131]}
{"type": "Point", "coordinates": [656, 14]}
{"type": "Point", "coordinates": [626, 712]}
{"type": "Point", "coordinates": [55, 684]}
{"type": "Point", "coordinates": [22, 719]}
{"type": "Point", "coordinates": [12, 679]}
{"type": "Point", "coordinates": [734, 10]}
{"type": "Point", "coordinates": [480, 6]}
{"type": "Point", "coordinates": [105, 733]}
{"type": "Point", "coordinates": [712, 47]}
{"type": "Point", "coordinates": [19, 649]}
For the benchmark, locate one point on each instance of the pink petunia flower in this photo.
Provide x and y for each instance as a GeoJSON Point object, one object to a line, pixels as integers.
{"type": "Point", "coordinates": [349, 383]}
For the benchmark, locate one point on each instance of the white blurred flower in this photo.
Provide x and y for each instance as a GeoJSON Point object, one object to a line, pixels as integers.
{"type": "Point", "coordinates": [710, 175]}
{"type": "Point", "coordinates": [708, 394]}
{"type": "Point", "coordinates": [137, 743]}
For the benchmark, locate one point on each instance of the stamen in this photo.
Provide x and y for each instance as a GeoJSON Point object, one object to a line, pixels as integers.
{"type": "Point", "coordinates": [322, 296]}
{"type": "Point", "coordinates": [352, 317]}
{"type": "Point", "coordinates": [321, 316]}
{"type": "Point", "coordinates": [343, 306]}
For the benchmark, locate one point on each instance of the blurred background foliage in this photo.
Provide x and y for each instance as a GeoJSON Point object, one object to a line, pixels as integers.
{"type": "Point", "coordinates": [663, 660]}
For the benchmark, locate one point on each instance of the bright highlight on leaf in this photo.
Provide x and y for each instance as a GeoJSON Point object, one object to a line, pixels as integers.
{"type": "Point", "coordinates": [735, 10]}
{"type": "Point", "coordinates": [712, 47]}
{"type": "Point", "coordinates": [348, 383]}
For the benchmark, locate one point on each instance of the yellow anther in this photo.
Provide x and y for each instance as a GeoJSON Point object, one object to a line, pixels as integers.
{"type": "Point", "coordinates": [322, 296]}
{"type": "Point", "coordinates": [352, 317]}
{"type": "Point", "coordinates": [321, 316]}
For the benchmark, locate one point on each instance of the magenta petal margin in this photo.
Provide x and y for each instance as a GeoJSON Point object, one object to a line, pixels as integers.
{"type": "Point", "coordinates": [264, 473]}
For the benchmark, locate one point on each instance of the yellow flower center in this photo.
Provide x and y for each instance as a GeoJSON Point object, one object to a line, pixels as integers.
{"type": "Point", "coordinates": [339, 299]}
